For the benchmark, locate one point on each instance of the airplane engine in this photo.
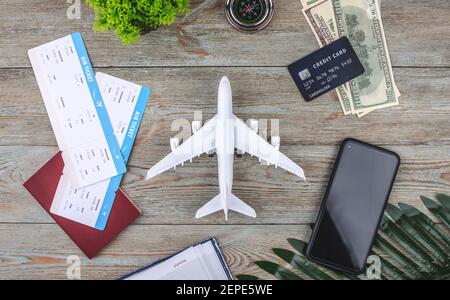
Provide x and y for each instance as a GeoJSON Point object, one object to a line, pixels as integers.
{"type": "Point", "coordinates": [174, 143]}
{"type": "Point", "coordinates": [275, 141]}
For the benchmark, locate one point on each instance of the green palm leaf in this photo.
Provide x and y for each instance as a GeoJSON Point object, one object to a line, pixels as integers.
{"type": "Point", "coordinates": [301, 246]}
{"type": "Point", "coordinates": [247, 277]}
{"type": "Point", "coordinates": [425, 222]}
{"type": "Point", "coordinates": [438, 211]}
{"type": "Point", "coordinates": [298, 245]}
{"type": "Point", "coordinates": [417, 248]}
{"type": "Point", "coordinates": [420, 235]}
{"type": "Point", "coordinates": [348, 276]}
{"type": "Point", "coordinates": [444, 200]}
{"type": "Point", "coordinates": [389, 271]}
{"type": "Point", "coordinates": [301, 264]}
{"type": "Point", "coordinates": [408, 243]}
{"type": "Point", "coordinates": [408, 264]}
{"type": "Point", "coordinates": [278, 271]}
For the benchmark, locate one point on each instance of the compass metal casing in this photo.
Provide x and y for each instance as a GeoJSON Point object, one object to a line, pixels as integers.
{"type": "Point", "coordinates": [261, 20]}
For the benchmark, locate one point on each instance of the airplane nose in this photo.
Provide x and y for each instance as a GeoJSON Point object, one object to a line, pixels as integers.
{"type": "Point", "coordinates": [225, 81]}
{"type": "Point", "coordinates": [224, 99]}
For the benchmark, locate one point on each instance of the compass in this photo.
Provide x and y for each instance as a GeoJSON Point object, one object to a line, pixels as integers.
{"type": "Point", "coordinates": [249, 15]}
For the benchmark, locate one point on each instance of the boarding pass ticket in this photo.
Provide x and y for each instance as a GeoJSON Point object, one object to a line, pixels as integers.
{"type": "Point", "coordinates": [125, 103]}
{"type": "Point", "coordinates": [76, 110]}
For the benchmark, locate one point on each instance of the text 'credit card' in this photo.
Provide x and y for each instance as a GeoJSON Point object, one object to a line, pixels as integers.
{"type": "Point", "coordinates": [326, 69]}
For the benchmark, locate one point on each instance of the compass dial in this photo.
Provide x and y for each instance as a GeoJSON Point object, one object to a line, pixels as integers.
{"type": "Point", "coordinates": [249, 15]}
{"type": "Point", "coordinates": [249, 11]}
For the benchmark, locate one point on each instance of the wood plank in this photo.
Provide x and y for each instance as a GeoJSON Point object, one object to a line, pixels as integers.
{"type": "Point", "coordinates": [181, 72]}
{"type": "Point", "coordinates": [416, 32]}
{"type": "Point", "coordinates": [174, 196]}
{"type": "Point", "coordinates": [262, 93]}
{"type": "Point", "coordinates": [32, 251]}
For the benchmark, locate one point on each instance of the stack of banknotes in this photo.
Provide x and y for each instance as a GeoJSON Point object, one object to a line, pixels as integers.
{"type": "Point", "coordinates": [360, 21]}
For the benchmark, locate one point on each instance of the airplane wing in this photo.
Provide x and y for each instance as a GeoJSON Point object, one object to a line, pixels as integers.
{"type": "Point", "coordinates": [248, 141]}
{"type": "Point", "coordinates": [202, 141]}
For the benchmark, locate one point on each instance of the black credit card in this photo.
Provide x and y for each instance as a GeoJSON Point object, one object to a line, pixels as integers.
{"type": "Point", "coordinates": [326, 69]}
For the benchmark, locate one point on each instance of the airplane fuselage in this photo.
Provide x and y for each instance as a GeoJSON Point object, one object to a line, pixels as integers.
{"type": "Point", "coordinates": [225, 140]}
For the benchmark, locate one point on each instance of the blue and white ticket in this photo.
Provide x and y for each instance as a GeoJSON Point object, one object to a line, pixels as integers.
{"type": "Point", "coordinates": [76, 110]}
{"type": "Point", "coordinates": [125, 103]}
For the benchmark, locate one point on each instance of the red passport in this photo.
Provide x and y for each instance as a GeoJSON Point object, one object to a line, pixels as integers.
{"type": "Point", "coordinates": [42, 185]}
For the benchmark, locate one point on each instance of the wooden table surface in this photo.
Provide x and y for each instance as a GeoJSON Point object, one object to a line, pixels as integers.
{"type": "Point", "coordinates": [183, 65]}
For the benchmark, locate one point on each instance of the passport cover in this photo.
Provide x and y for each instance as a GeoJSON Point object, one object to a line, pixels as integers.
{"type": "Point", "coordinates": [42, 186]}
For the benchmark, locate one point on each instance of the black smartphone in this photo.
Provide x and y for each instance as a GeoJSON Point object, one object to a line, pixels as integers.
{"type": "Point", "coordinates": [354, 202]}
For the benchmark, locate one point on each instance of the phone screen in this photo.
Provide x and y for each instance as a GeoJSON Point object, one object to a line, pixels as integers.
{"type": "Point", "coordinates": [353, 205]}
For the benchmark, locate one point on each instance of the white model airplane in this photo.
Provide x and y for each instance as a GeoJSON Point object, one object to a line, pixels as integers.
{"type": "Point", "coordinates": [222, 134]}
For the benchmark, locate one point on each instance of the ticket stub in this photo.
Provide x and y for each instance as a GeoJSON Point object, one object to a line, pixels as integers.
{"type": "Point", "coordinates": [125, 103]}
{"type": "Point", "coordinates": [76, 110]}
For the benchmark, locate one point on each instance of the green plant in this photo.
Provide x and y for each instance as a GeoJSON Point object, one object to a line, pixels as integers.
{"type": "Point", "coordinates": [409, 244]}
{"type": "Point", "coordinates": [132, 18]}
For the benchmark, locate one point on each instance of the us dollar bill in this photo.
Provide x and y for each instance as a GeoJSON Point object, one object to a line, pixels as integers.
{"type": "Point", "coordinates": [360, 21]}
{"type": "Point", "coordinates": [319, 15]}
{"type": "Point", "coordinates": [306, 3]}
{"type": "Point", "coordinates": [321, 18]}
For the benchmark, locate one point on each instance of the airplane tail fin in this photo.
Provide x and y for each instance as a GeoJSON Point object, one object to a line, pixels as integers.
{"type": "Point", "coordinates": [239, 206]}
{"type": "Point", "coordinates": [234, 204]}
{"type": "Point", "coordinates": [211, 207]}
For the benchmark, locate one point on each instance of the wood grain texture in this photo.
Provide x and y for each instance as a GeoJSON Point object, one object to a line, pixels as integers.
{"type": "Point", "coordinates": [174, 197]}
{"type": "Point", "coordinates": [183, 64]}
{"type": "Point", "coordinates": [24, 257]}
{"type": "Point", "coordinates": [416, 32]}
{"type": "Point", "coordinates": [261, 93]}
